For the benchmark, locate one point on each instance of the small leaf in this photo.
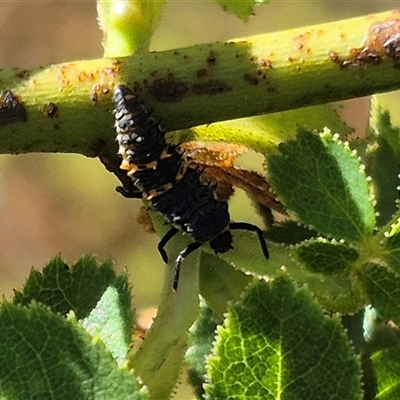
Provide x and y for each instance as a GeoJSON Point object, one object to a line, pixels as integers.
{"type": "Point", "coordinates": [337, 293]}
{"type": "Point", "coordinates": [383, 165]}
{"type": "Point", "coordinates": [45, 356]}
{"type": "Point", "coordinates": [323, 183]}
{"type": "Point", "coordinates": [321, 256]}
{"type": "Point", "coordinates": [391, 252]}
{"type": "Point", "coordinates": [109, 322]}
{"type": "Point", "coordinates": [242, 9]}
{"type": "Point", "coordinates": [277, 343]}
{"type": "Point", "coordinates": [381, 125]}
{"type": "Point", "coordinates": [381, 348]}
{"type": "Point", "coordinates": [383, 160]}
{"type": "Point", "coordinates": [93, 292]}
{"type": "Point", "coordinates": [62, 288]}
{"type": "Point", "coordinates": [386, 365]}
{"type": "Point", "coordinates": [382, 286]}
{"type": "Point", "coordinates": [289, 232]}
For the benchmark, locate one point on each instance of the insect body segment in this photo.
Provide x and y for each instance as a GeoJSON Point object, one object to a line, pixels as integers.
{"type": "Point", "coordinates": [162, 175]}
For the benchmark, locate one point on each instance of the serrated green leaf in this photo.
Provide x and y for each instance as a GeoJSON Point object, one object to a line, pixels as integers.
{"type": "Point", "coordinates": [320, 179]}
{"type": "Point", "coordinates": [93, 292]}
{"type": "Point", "coordinates": [242, 9]}
{"type": "Point", "coordinates": [289, 232]}
{"type": "Point", "coordinates": [108, 321]}
{"type": "Point", "coordinates": [201, 337]}
{"type": "Point", "coordinates": [386, 365]}
{"type": "Point", "coordinates": [381, 125]}
{"type": "Point", "coordinates": [381, 340]}
{"type": "Point", "coordinates": [383, 165]}
{"type": "Point", "coordinates": [321, 256]}
{"type": "Point", "coordinates": [62, 288]}
{"type": "Point", "coordinates": [341, 294]}
{"type": "Point", "coordinates": [382, 286]}
{"type": "Point", "coordinates": [277, 343]}
{"type": "Point", "coordinates": [335, 292]}
{"type": "Point", "coordinates": [45, 356]}
{"type": "Point", "coordinates": [391, 253]}
{"type": "Point", "coordinates": [383, 160]}
{"type": "Point", "coordinates": [383, 335]}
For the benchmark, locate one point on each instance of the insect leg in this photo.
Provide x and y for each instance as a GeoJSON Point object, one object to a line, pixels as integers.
{"type": "Point", "coordinates": [130, 194]}
{"type": "Point", "coordinates": [165, 239]}
{"type": "Point", "coordinates": [249, 227]}
{"type": "Point", "coordinates": [182, 255]}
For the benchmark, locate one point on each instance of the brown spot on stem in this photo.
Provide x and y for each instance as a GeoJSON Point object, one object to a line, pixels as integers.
{"type": "Point", "coordinates": [11, 109]}
{"type": "Point", "coordinates": [382, 39]}
{"type": "Point", "coordinates": [52, 109]}
{"type": "Point", "coordinates": [201, 73]}
{"type": "Point", "coordinates": [211, 59]}
{"type": "Point", "coordinates": [301, 42]}
{"type": "Point", "coordinates": [392, 47]}
{"type": "Point", "coordinates": [210, 88]}
{"type": "Point", "coordinates": [69, 75]}
{"type": "Point", "coordinates": [98, 90]}
{"type": "Point", "coordinates": [168, 89]}
{"type": "Point", "coordinates": [265, 63]}
{"type": "Point", "coordinates": [24, 74]}
{"type": "Point", "coordinates": [252, 80]}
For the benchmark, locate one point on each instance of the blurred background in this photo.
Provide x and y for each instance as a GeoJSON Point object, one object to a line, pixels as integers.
{"type": "Point", "coordinates": [66, 204]}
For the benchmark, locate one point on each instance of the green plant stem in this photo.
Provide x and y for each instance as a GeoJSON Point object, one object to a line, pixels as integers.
{"type": "Point", "coordinates": [205, 83]}
{"type": "Point", "coordinates": [127, 25]}
{"type": "Point", "coordinates": [168, 335]}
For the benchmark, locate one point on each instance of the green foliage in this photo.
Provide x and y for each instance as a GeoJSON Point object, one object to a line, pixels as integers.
{"type": "Point", "coordinates": [383, 160]}
{"type": "Point", "coordinates": [96, 295]}
{"type": "Point", "coordinates": [386, 364]}
{"type": "Point", "coordinates": [328, 191]}
{"type": "Point", "coordinates": [199, 346]}
{"type": "Point", "coordinates": [383, 289]}
{"type": "Point", "coordinates": [392, 248]}
{"type": "Point", "coordinates": [59, 286]}
{"type": "Point", "coordinates": [343, 258]}
{"type": "Point", "coordinates": [44, 354]}
{"type": "Point", "coordinates": [326, 258]}
{"type": "Point", "coordinates": [261, 351]}
{"type": "Point", "coordinates": [383, 351]}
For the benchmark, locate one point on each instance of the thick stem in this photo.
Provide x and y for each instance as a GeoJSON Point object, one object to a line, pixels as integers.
{"type": "Point", "coordinates": [204, 83]}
